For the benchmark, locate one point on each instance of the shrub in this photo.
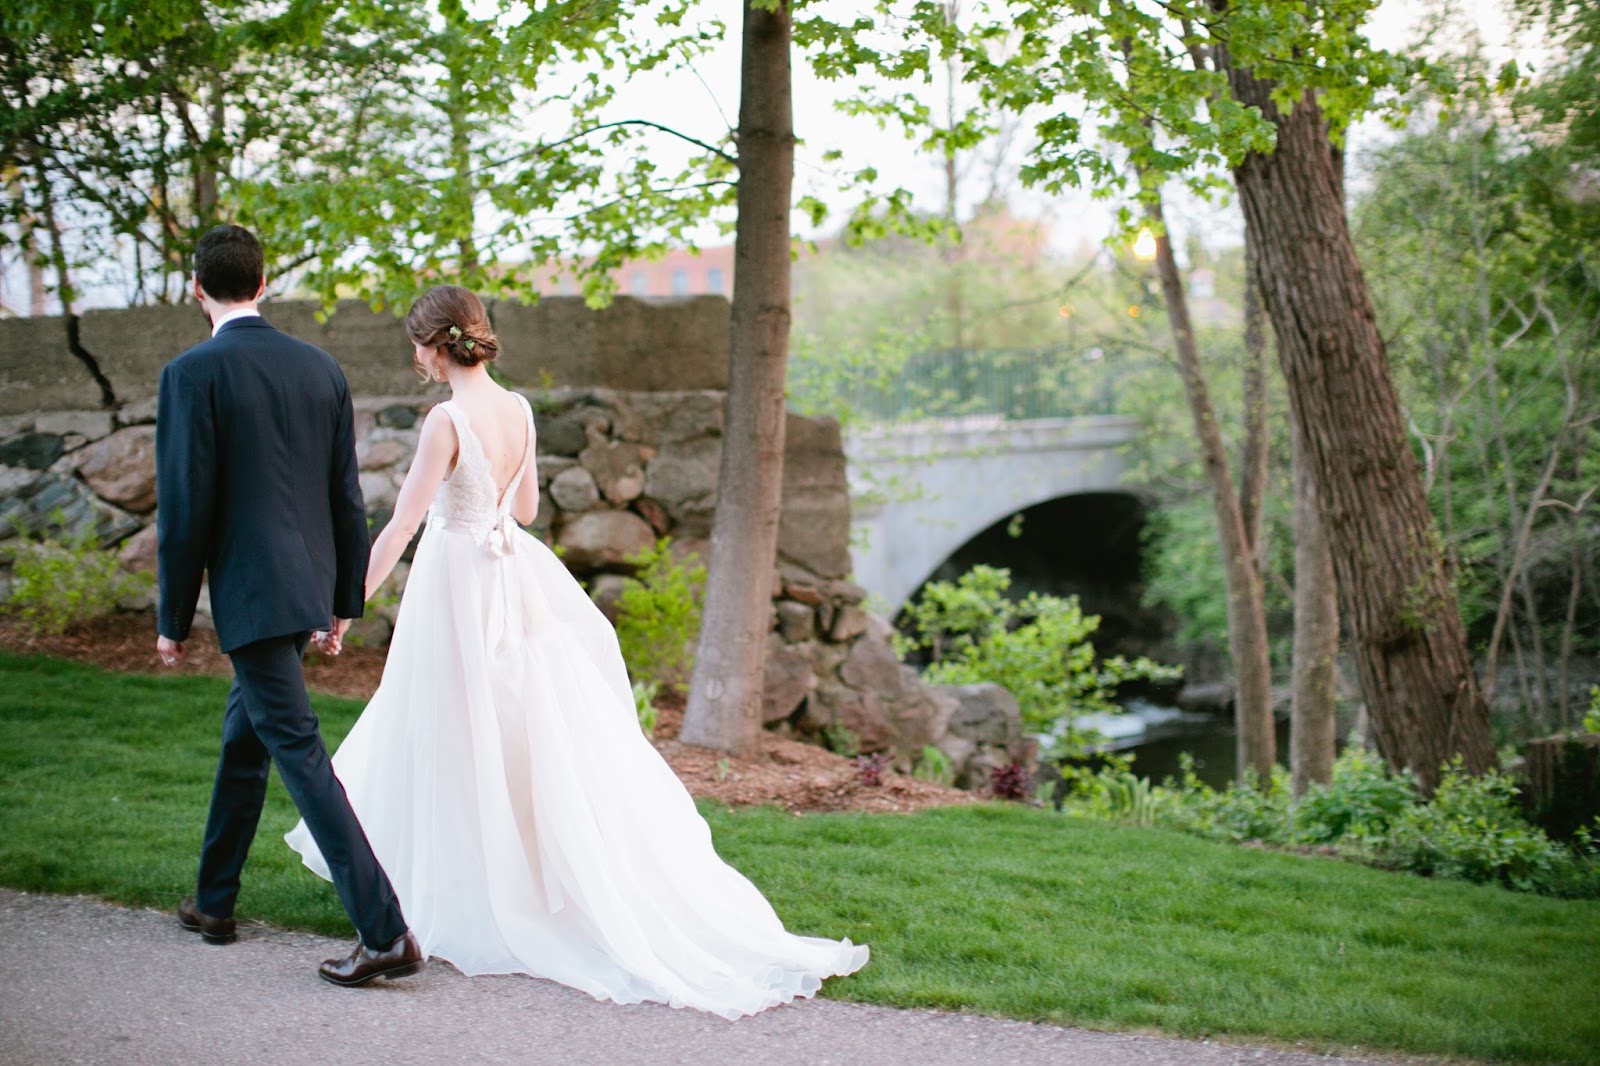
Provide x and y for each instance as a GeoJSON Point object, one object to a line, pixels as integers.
{"type": "Point", "coordinates": [658, 615]}
{"type": "Point", "coordinates": [1361, 801]}
{"type": "Point", "coordinates": [870, 768]}
{"type": "Point", "coordinates": [1010, 782]}
{"type": "Point", "coordinates": [1473, 830]}
{"type": "Point", "coordinates": [935, 766]}
{"type": "Point", "coordinates": [1039, 649]}
{"type": "Point", "coordinates": [1251, 811]}
{"type": "Point", "coordinates": [1130, 799]}
{"type": "Point", "coordinates": [1591, 719]}
{"type": "Point", "coordinates": [56, 585]}
{"type": "Point", "coordinates": [841, 740]}
{"type": "Point", "coordinates": [644, 705]}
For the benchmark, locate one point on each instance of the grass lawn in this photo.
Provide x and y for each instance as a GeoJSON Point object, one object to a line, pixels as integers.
{"type": "Point", "coordinates": [1003, 910]}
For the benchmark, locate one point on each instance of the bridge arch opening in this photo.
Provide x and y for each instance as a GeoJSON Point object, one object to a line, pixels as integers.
{"type": "Point", "coordinates": [1087, 544]}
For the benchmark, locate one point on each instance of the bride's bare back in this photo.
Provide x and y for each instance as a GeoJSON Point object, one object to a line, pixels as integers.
{"type": "Point", "coordinates": [501, 427]}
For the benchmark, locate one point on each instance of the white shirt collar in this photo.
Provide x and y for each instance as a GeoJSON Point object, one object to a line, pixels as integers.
{"type": "Point", "coordinates": [234, 315]}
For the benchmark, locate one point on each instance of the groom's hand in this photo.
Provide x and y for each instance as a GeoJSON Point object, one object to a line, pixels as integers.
{"type": "Point", "coordinates": [331, 640]}
{"type": "Point", "coordinates": [171, 652]}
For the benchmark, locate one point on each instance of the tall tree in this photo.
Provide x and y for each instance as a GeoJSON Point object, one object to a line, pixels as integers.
{"type": "Point", "coordinates": [724, 709]}
{"type": "Point", "coordinates": [1406, 633]}
{"type": "Point", "coordinates": [1269, 80]}
{"type": "Point", "coordinates": [1247, 617]}
{"type": "Point", "coordinates": [1312, 733]}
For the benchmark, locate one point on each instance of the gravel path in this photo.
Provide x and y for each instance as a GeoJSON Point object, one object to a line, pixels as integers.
{"type": "Point", "coordinates": [82, 981]}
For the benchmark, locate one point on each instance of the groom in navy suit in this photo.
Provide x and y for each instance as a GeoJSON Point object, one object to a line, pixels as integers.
{"type": "Point", "coordinates": [257, 489]}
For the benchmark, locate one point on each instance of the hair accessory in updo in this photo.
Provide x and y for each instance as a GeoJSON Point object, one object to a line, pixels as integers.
{"type": "Point", "coordinates": [452, 321]}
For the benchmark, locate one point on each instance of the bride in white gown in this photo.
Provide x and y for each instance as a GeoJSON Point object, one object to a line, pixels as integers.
{"type": "Point", "coordinates": [500, 772]}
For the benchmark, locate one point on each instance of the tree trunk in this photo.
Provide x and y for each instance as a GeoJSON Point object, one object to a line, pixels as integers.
{"type": "Point", "coordinates": [724, 709]}
{"type": "Point", "coordinates": [1312, 733]}
{"type": "Point", "coordinates": [1253, 463]}
{"type": "Point", "coordinates": [1247, 616]}
{"type": "Point", "coordinates": [1408, 641]}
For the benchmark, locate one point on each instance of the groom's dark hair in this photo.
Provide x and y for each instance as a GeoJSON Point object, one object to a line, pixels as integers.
{"type": "Point", "coordinates": [228, 264]}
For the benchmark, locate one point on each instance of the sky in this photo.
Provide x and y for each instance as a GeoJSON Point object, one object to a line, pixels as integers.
{"type": "Point", "coordinates": [700, 102]}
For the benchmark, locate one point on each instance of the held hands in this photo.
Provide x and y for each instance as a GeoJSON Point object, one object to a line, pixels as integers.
{"type": "Point", "coordinates": [330, 641]}
{"type": "Point", "coordinates": [171, 652]}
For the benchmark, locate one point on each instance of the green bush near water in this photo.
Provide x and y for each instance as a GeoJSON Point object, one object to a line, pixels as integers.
{"type": "Point", "coordinates": [1471, 830]}
{"type": "Point", "coordinates": [1039, 649]}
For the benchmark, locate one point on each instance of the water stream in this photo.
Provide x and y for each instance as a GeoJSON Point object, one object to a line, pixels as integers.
{"type": "Point", "coordinates": [1156, 736]}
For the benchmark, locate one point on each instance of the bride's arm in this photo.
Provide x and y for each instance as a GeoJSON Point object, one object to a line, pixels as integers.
{"type": "Point", "coordinates": [436, 447]}
{"type": "Point", "coordinates": [525, 505]}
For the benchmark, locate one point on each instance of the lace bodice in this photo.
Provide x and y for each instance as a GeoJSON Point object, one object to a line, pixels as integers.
{"type": "Point", "coordinates": [469, 500]}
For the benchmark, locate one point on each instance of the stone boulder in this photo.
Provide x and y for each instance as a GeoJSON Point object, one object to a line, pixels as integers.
{"type": "Point", "coordinates": [872, 667]}
{"type": "Point", "coordinates": [616, 469]}
{"type": "Point", "coordinates": [787, 681]}
{"type": "Point", "coordinates": [814, 527]}
{"type": "Point", "coordinates": [915, 714]}
{"type": "Point", "coordinates": [986, 713]}
{"type": "Point", "coordinates": [682, 478]}
{"type": "Point", "coordinates": [1210, 697]}
{"type": "Point", "coordinates": [138, 552]}
{"type": "Point", "coordinates": [675, 417]}
{"type": "Point", "coordinates": [796, 621]}
{"type": "Point", "coordinates": [90, 425]}
{"type": "Point", "coordinates": [602, 540]}
{"type": "Point", "coordinates": [551, 467]}
{"type": "Point", "coordinates": [985, 732]}
{"type": "Point", "coordinates": [559, 436]}
{"type": "Point", "coordinates": [36, 451]}
{"type": "Point", "coordinates": [606, 592]}
{"type": "Point", "coordinates": [379, 454]}
{"type": "Point", "coordinates": [121, 468]}
{"type": "Point", "coordinates": [57, 504]}
{"type": "Point", "coordinates": [921, 716]}
{"type": "Point", "coordinates": [574, 490]}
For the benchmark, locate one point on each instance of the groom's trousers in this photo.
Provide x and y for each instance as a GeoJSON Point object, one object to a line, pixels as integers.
{"type": "Point", "coordinates": [269, 720]}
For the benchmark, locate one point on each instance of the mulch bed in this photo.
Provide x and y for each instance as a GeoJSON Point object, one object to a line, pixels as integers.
{"type": "Point", "coordinates": [787, 773]}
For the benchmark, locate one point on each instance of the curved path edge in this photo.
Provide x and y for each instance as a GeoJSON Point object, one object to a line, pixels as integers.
{"type": "Point", "coordinates": [84, 981]}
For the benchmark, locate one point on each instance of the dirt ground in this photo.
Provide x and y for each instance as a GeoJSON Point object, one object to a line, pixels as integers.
{"type": "Point", "coordinates": [786, 773]}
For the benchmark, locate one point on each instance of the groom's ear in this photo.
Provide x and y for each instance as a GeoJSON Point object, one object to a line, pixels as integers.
{"type": "Point", "coordinates": [261, 290]}
{"type": "Point", "coordinates": [199, 293]}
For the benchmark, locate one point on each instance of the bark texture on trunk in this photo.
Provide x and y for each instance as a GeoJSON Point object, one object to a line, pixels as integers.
{"type": "Point", "coordinates": [1253, 463]}
{"type": "Point", "coordinates": [1247, 616]}
{"type": "Point", "coordinates": [1312, 733]}
{"type": "Point", "coordinates": [724, 708]}
{"type": "Point", "coordinates": [1406, 633]}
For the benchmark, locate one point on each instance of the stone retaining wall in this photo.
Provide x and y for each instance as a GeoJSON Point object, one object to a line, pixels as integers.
{"type": "Point", "coordinates": [633, 345]}
{"type": "Point", "coordinates": [629, 445]}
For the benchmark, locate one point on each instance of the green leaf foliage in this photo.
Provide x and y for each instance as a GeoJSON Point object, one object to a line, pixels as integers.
{"type": "Point", "coordinates": [658, 615]}
{"type": "Point", "coordinates": [56, 584]}
{"type": "Point", "coordinates": [1039, 649]}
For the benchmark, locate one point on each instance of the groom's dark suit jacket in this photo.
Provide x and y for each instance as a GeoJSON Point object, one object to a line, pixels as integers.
{"type": "Point", "coordinates": [257, 486]}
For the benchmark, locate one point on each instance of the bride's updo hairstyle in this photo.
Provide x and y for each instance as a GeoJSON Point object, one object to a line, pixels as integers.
{"type": "Point", "coordinates": [452, 319]}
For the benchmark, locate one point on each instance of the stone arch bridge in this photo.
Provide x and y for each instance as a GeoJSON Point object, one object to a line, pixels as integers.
{"type": "Point", "coordinates": [922, 491]}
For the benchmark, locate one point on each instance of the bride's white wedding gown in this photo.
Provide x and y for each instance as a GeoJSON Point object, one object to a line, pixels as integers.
{"type": "Point", "coordinates": [525, 821]}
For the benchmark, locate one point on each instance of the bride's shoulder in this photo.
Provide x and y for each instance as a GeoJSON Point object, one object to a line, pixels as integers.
{"type": "Point", "coordinates": [439, 424]}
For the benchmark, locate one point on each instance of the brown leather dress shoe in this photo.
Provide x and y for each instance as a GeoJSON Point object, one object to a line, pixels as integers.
{"type": "Point", "coordinates": [211, 930]}
{"type": "Point", "coordinates": [400, 959]}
